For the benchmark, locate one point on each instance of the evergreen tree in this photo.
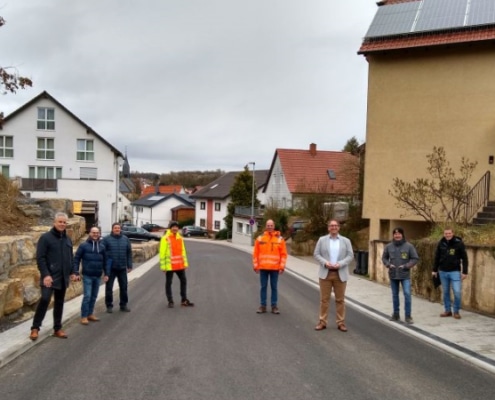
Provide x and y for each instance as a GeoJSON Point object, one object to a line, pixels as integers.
{"type": "Point", "coordinates": [241, 195]}
{"type": "Point", "coordinates": [352, 146]}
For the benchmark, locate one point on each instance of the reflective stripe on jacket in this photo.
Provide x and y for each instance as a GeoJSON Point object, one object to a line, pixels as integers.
{"type": "Point", "coordinates": [269, 252]}
{"type": "Point", "coordinates": [172, 252]}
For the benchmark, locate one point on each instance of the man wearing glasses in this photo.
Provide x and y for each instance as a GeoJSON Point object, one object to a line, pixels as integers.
{"type": "Point", "coordinates": [334, 253]}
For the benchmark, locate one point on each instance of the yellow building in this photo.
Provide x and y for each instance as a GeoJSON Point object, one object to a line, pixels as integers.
{"type": "Point", "coordinates": [431, 83]}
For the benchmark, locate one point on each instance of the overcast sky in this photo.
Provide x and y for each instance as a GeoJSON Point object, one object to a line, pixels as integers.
{"type": "Point", "coordinates": [197, 84]}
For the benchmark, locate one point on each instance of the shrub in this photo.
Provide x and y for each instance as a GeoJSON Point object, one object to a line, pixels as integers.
{"type": "Point", "coordinates": [222, 234]}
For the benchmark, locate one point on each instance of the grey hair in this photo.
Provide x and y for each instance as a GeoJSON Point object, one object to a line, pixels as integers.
{"type": "Point", "coordinates": [61, 214]}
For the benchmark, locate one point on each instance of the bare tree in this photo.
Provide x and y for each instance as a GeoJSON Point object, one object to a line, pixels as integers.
{"type": "Point", "coordinates": [441, 197]}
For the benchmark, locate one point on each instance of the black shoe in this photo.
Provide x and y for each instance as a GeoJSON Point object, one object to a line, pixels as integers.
{"type": "Point", "coordinates": [109, 310]}
{"type": "Point", "coordinates": [170, 304]}
{"type": "Point", "coordinates": [186, 303]}
{"type": "Point", "coordinates": [394, 317]}
{"type": "Point", "coordinates": [125, 309]}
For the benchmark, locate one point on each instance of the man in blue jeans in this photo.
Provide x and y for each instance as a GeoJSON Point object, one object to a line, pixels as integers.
{"type": "Point", "coordinates": [399, 257]}
{"type": "Point", "coordinates": [119, 258]}
{"type": "Point", "coordinates": [93, 256]}
{"type": "Point", "coordinates": [269, 258]}
{"type": "Point", "coordinates": [450, 259]}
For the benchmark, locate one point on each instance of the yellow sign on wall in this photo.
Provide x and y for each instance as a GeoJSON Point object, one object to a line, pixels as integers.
{"type": "Point", "coordinates": [76, 207]}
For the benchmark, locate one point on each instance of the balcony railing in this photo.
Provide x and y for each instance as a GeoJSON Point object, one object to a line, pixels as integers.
{"type": "Point", "coordinates": [41, 185]}
{"type": "Point", "coordinates": [246, 211]}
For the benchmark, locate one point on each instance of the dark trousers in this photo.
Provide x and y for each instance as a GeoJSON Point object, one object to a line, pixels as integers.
{"type": "Point", "coordinates": [169, 275]}
{"type": "Point", "coordinates": [121, 275]}
{"type": "Point", "coordinates": [58, 307]}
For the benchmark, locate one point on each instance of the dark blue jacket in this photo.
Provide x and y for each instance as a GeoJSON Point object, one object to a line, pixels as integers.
{"type": "Point", "coordinates": [54, 257]}
{"type": "Point", "coordinates": [119, 251]}
{"type": "Point", "coordinates": [92, 253]}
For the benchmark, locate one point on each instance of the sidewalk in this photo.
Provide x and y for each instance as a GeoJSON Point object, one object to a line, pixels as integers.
{"type": "Point", "coordinates": [472, 338]}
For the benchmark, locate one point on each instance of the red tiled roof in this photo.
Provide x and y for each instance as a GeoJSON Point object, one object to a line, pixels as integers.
{"type": "Point", "coordinates": [472, 34]}
{"type": "Point", "coordinates": [307, 172]}
{"type": "Point", "coordinates": [162, 189]}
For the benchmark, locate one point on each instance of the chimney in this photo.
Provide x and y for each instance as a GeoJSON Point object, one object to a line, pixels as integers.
{"type": "Point", "coordinates": [312, 149]}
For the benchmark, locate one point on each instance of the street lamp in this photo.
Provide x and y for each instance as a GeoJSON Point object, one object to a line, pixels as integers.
{"type": "Point", "coordinates": [251, 221]}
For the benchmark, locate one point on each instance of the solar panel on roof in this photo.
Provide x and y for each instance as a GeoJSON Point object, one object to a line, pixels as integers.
{"type": "Point", "coordinates": [481, 12]}
{"type": "Point", "coordinates": [430, 15]}
{"type": "Point", "coordinates": [441, 14]}
{"type": "Point", "coordinates": [393, 19]}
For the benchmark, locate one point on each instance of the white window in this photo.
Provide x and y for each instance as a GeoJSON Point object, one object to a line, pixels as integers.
{"type": "Point", "coordinates": [85, 150]}
{"type": "Point", "coordinates": [6, 146]}
{"type": "Point", "coordinates": [248, 229]}
{"type": "Point", "coordinates": [217, 225]}
{"type": "Point", "coordinates": [89, 174]}
{"type": "Point", "coordinates": [5, 171]}
{"type": "Point", "coordinates": [36, 172]}
{"type": "Point", "coordinates": [46, 119]}
{"type": "Point", "coordinates": [202, 222]}
{"type": "Point", "coordinates": [139, 209]}
{"type": "Point", "coordinates": [218, 206]}
{"type": "Point", "coordinates": [46, 149]}
{"type": "Point", "coordinates": [202, 205]}
{"type": "Point", "coordinates": [239, 227]}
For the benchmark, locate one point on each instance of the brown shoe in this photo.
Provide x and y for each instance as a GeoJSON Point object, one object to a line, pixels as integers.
{"type": "Point", "coordinates": [34, 334]}
{"type": "Point", "coordinates": [93, 318]}
{"type": "Point", "coordinates": [320, 326]}
{"type": "Point", "coordinates": [261, 310]}
{"type": "Point", "coordinates": [60, 334]}
{"type": "Point", "coordinates": [446, 314]}
{"type": "Point", "coordinates": [275, 310]}
{"type": "Point", "coordinates": [84, 321]}
{"type": "Point", "coordinates": [457, 316]}
{"type": "Point", "coordinates": [342, 328]}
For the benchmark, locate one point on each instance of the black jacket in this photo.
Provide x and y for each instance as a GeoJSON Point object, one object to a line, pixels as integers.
{"type": "Point", "coordinates": [54, 257]}
{"type": "Point", "coordinates": [450, 254]}
{"type": "Point", "coordinates": [92, 253]}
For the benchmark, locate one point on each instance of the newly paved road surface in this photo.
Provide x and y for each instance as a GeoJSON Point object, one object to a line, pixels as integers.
{"type": "Point", "coordinates": [222, 350]}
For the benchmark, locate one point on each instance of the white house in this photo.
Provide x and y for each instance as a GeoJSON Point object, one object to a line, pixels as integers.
{"type": "Point", "coordinates": [295, 173]}
{"type": "Point", "coordinates": [51, 153]}
{"type": "Point", "coordinates": [160, 208]}
{"type": "Point", "coordinates": [212, 199]}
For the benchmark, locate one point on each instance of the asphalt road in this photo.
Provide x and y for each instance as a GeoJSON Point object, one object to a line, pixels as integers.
{"type": "Point", "coordinates": [222, 350]}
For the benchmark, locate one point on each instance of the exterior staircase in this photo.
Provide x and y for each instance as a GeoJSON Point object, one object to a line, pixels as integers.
{"type": "Point", "coordinates": [486, 215]}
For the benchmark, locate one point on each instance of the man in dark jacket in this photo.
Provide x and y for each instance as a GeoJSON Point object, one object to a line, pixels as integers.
{"type": "Point", "coordinates": [94, 262]}
{"type": "Point", "coordinates": [399, 257]}
{"type": "Point", "coordinates": [450, 258]}
{"type": "Point", "coordinates": [119, 252]}
{"type": "Point", "coordinates": [54, 259]}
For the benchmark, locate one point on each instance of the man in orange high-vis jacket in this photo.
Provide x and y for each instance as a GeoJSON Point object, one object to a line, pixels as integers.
{"type": "Point", "coordinates": [269, 258]}
{"type": "Point", "coordinates": [173, 259]}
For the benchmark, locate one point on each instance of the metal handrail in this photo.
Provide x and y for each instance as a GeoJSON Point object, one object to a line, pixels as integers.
{"type": "Point", "coordinates": [477, 197]}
